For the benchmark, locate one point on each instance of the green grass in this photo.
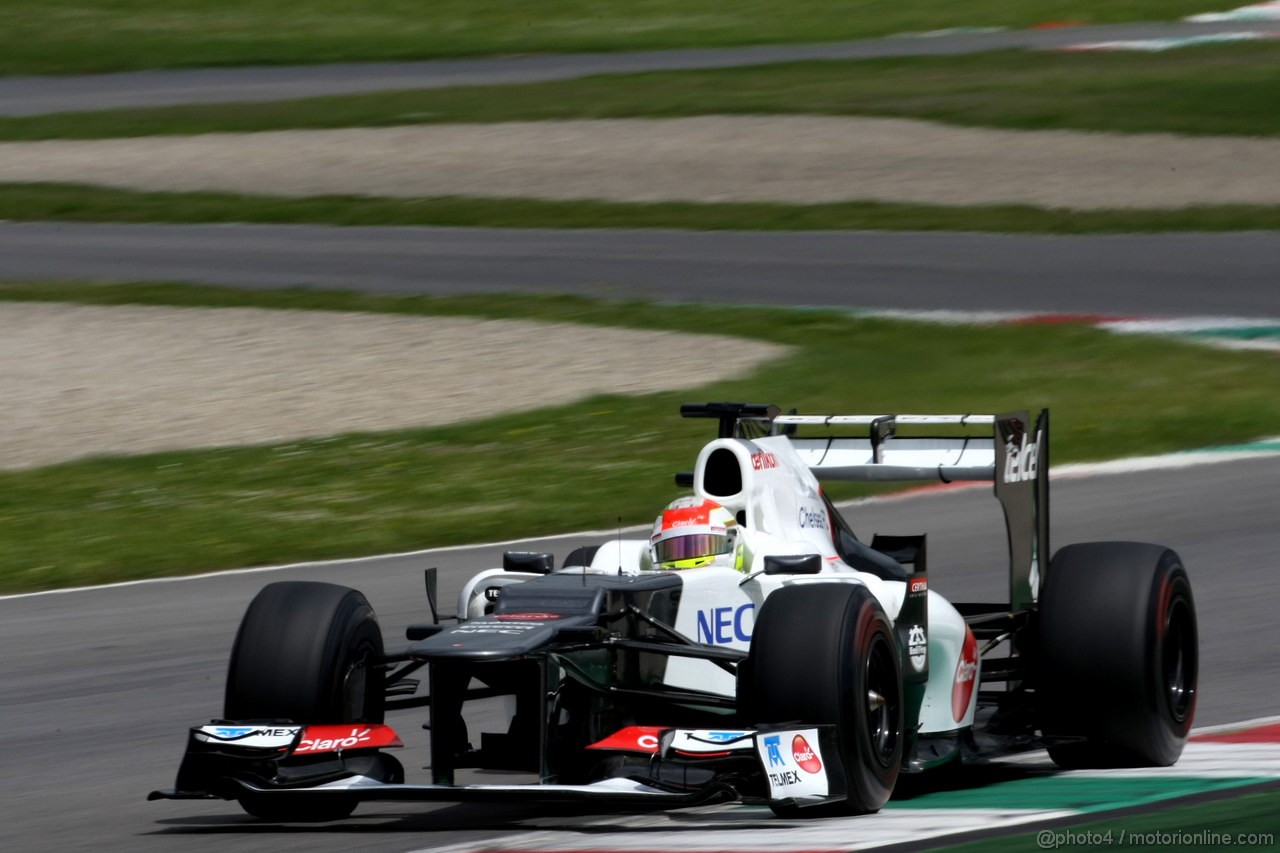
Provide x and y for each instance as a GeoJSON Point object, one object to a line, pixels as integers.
{"type": "Point", "coordinates": [77, 203]}
{"type": "Point", "coordinates": [62, 36]}
{"type": "Point", "coordinates": [1198, 828]}
{"type": "Point", "coordinates": [1227, 90]}
{"type": "Point", "coordinates": [584, 465]}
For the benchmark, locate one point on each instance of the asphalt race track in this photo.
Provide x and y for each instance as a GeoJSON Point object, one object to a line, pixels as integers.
{"type": "Point", "coordinates": [1166, 274]}
{"type": "Point", "coordinates": [36, 95]}
{"type": "Point", "coordinates": [100, 685]}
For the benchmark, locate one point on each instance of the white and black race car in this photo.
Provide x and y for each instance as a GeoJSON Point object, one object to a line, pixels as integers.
{"type": "Point", "coordinates": [751, 649]}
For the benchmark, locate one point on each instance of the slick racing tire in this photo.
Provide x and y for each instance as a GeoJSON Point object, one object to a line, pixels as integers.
{"type": "Point", "coordinates": [1119, 656]}
{"type": "Point", "coordinates": [825, 653]}
{"type": "Point", "coordinates": [306, 652]}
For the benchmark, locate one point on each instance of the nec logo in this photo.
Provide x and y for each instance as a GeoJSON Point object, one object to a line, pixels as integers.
{"type": "Point", "coordinates": [722, 625]}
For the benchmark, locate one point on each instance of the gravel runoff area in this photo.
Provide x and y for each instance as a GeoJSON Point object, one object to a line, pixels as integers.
{"type": "Point", "coordinates": [86, 380]}
{"type": "Point", "coordinates": [801, 159]}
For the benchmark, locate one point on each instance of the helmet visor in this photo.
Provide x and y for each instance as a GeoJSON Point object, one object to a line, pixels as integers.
{"type": "Point", "coordinates": [691, 547]}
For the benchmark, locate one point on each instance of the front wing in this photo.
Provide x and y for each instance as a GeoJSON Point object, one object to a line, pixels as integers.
{"type": "Point", "coordinates": [778, 766]}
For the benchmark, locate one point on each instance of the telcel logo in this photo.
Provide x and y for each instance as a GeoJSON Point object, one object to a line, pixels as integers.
{"type": "Point", "coordinates": [1020, 462]}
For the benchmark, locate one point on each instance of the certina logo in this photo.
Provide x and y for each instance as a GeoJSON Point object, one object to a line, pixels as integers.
{"type": "Point", "coordinates": [804, 755]}
{"type": "Point", "coordinates": [763, 459]}
{"type": "Point", "coordinates": [722, 625]}
{"type": "Point", "coordinates": [919, 586]}
{"type": "Point", "coordinates": [812, 518]}
{"type": "Point", "coordinates": [1020, 461]}
{"type": "Point", "coordinates": [773, 744]}
{"type": "Point", "coordinates": [917, 647]}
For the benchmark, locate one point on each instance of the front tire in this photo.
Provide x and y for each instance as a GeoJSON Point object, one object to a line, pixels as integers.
{"type": "Point", "coordinates": [308, 653]}
{"type": "Point", "coordinates": [1119, 655]}
{"type": "Point", "coordinates": [825, 653]}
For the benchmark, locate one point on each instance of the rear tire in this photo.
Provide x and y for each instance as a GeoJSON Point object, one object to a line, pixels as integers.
{"type": "Point", "coordinates": [1119, 655]}
{"type": "Point", "coordinates": [819, 651]}
{"type": "Point", "coordinates": [308, 653]}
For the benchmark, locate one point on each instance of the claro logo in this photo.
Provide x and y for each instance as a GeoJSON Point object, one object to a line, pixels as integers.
{"type": "Point", "coordinates": [632, 739]}
{"type": "Point", "coordinates": [339, 738]}
{"type": "Point", "coordinates": [966, 677]}
{"type": "Point", "coordinates": [804, 755]}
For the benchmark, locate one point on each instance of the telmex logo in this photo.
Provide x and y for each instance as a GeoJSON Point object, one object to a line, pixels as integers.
{"type": "Point", "coordinates": [233, 732]}
{"type": "Point", "coordinates": [804, 755]}
{"type": "Point", "coordinates": [773, 743]}
{"type": "Point", "coordinates": [723, 737]}
{"type": "Point", "coordinates": [243, 732]}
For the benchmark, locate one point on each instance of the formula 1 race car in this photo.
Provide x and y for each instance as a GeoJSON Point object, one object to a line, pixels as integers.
{"type": "Point", "coordinates": [752, 648]}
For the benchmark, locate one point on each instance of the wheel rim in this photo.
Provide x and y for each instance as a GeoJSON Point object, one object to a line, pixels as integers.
{"type": "Point", "coordinates": [882, 700]}
{"type": "Point", "coordinates": [1178, 653]}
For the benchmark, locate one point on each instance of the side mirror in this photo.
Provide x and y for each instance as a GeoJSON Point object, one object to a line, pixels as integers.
{"type": "Point", "coordinates": [537, 562]}
{"type": "Point", "coordinates": [799, 564]}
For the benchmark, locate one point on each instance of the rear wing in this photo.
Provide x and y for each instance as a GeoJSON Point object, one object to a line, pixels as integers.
{"type": "Point", "coordinates": [1005, 449]}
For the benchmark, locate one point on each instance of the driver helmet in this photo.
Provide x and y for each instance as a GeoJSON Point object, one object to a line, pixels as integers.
{"type": "Point", "coordinates": [694, 532]}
